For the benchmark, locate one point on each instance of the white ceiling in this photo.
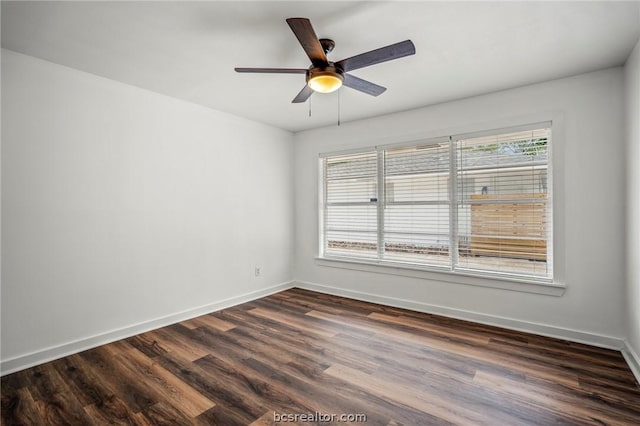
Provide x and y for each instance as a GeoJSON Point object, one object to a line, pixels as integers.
{"type": "Point", "coordinates": [188, 50]}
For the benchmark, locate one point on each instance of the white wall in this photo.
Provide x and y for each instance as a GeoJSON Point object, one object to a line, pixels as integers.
{"type": "Point", "coordinates": [121, 206]}
{"type": "Point", "coordinates": [589, 185]}
{"type": "Point", "coordinates": [632, 89]}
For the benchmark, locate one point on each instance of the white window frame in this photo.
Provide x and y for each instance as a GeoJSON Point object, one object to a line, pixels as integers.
{"type": "Point", "coordinates": [495, 279]}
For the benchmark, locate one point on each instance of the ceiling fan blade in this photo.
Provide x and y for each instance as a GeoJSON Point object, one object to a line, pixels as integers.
{"type": "Point", "coordinates": [307, 37]}
{"type": "Point", "coordinates": [273, 70]}
{"type": "Point", "coordinates": [303, 95]}
{"type": "Point", "coordinates": [383, 54]}
{"type": "Point", "coordinates": [363, 86]}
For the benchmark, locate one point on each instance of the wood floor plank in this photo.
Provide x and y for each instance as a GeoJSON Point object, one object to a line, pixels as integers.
{"type": "Point", "coordinates": [148, 344]}
{"type": "Point", "coordinates": [55, 401]}
{"type": "Point", "coordinates": [298, 351]}
{"type": "Point", "coordinates": [113, 410]}
{"type": "Point", "coordinates": [266, 420]}
{"type": "Point", "coordinates": [520, 362]}
{"type": "Point", "coordinates": [20, 407]}
{"type": "Point", "coordinates": [314, 388]}
{"type": "Point", "coordinates": [604, 386]}
{"type": "Point", "coordinates": [208, 321]}
{"type": "Point", "coordinates": [315, 393]}
{"type": "Point", "coordinates": [460, 390]}
{"type": "Point", "coordinates": [87, 387]}
{"type": "Point", "coordinates": [404, 394]}
{"type": "Point", "coordinates": [164, 384]}
{"type": "Point", "coordinates": [230, 401]}
{"type": "Point", "coordinates": [434, 329]}
{"type": "Point", "coordinates": [165, 414]}
{"type": "Point", "coordinates": [577, 364]}
{"type": "Point", "coordinates": [293, 376]}
{"type": "Point", "coordinates": [134, 393]}
{"type": "Point", "coordinates": [562, 401]}
{"type": "Point", "coordinates": [292, 321]}
{"type": "Point", "coordinates": [301, 345]}
{"type": "Point", "coordinates": [175, 342]}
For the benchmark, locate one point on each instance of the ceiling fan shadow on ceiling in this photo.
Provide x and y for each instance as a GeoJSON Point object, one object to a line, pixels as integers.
{"type": "Point", "coordinates": [324, 76]}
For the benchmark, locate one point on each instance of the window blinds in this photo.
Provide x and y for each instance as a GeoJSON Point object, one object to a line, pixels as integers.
{"type": "Point", "coordinates": [350, 205]}
{"type": "Point", "coordinates": [503, 209]}
{"type": "Point", "coordinates": [416, 208]}
{"type": "Point", "coordinates": [479, 203]}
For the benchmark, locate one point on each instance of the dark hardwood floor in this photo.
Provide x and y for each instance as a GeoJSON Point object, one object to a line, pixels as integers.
{"type": "Point", "coordinates": [304, 352]}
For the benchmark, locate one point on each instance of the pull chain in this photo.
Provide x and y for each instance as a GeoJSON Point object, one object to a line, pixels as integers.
{"type": "Point", "coordinates": [309, 107]}
{"type": "Point", "coordinates": [338, 108]}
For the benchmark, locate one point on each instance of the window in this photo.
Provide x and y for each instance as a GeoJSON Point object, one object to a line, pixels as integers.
{"type": "Point", "coordinates": [351, 224]}
{"type": "Point", "coordinates": [470, 203]}
{"type": "Point", "coordinates": [416, 208]}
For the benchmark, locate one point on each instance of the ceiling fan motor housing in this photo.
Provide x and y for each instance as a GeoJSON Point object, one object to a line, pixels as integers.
{"type": "Point", "coordinates": [322, 71]}
{"type": "Point", "coordinates": [327, 44]}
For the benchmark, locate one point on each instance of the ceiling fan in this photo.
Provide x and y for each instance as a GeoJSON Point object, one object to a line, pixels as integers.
{"type": "Point", "coordinates": [324, 76]}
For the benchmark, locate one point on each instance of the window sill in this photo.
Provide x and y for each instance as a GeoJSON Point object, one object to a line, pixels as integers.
{"type": "Point", "coordinates": [524, 285]}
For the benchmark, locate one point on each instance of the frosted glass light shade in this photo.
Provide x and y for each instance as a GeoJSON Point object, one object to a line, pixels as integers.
{"type": "Point", "coordinates": [325, 83]}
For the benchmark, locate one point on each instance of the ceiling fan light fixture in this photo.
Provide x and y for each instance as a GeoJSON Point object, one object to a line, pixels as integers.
{"type": "Point", "coordinates": [325, 76]}
{"type": "Point", "coordinates": [325, 81]}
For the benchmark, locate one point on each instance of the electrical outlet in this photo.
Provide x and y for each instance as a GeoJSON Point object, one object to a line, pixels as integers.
{"type": "Point", "coordinates": [257, 271]}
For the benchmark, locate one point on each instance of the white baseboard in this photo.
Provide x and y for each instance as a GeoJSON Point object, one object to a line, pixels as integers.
{"type": "Point", "coordinates": [49, 354]}
{"type": "Point", "coordinates": [632, 358]}
{"type": "Point", "coordinates": [602, 341]}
